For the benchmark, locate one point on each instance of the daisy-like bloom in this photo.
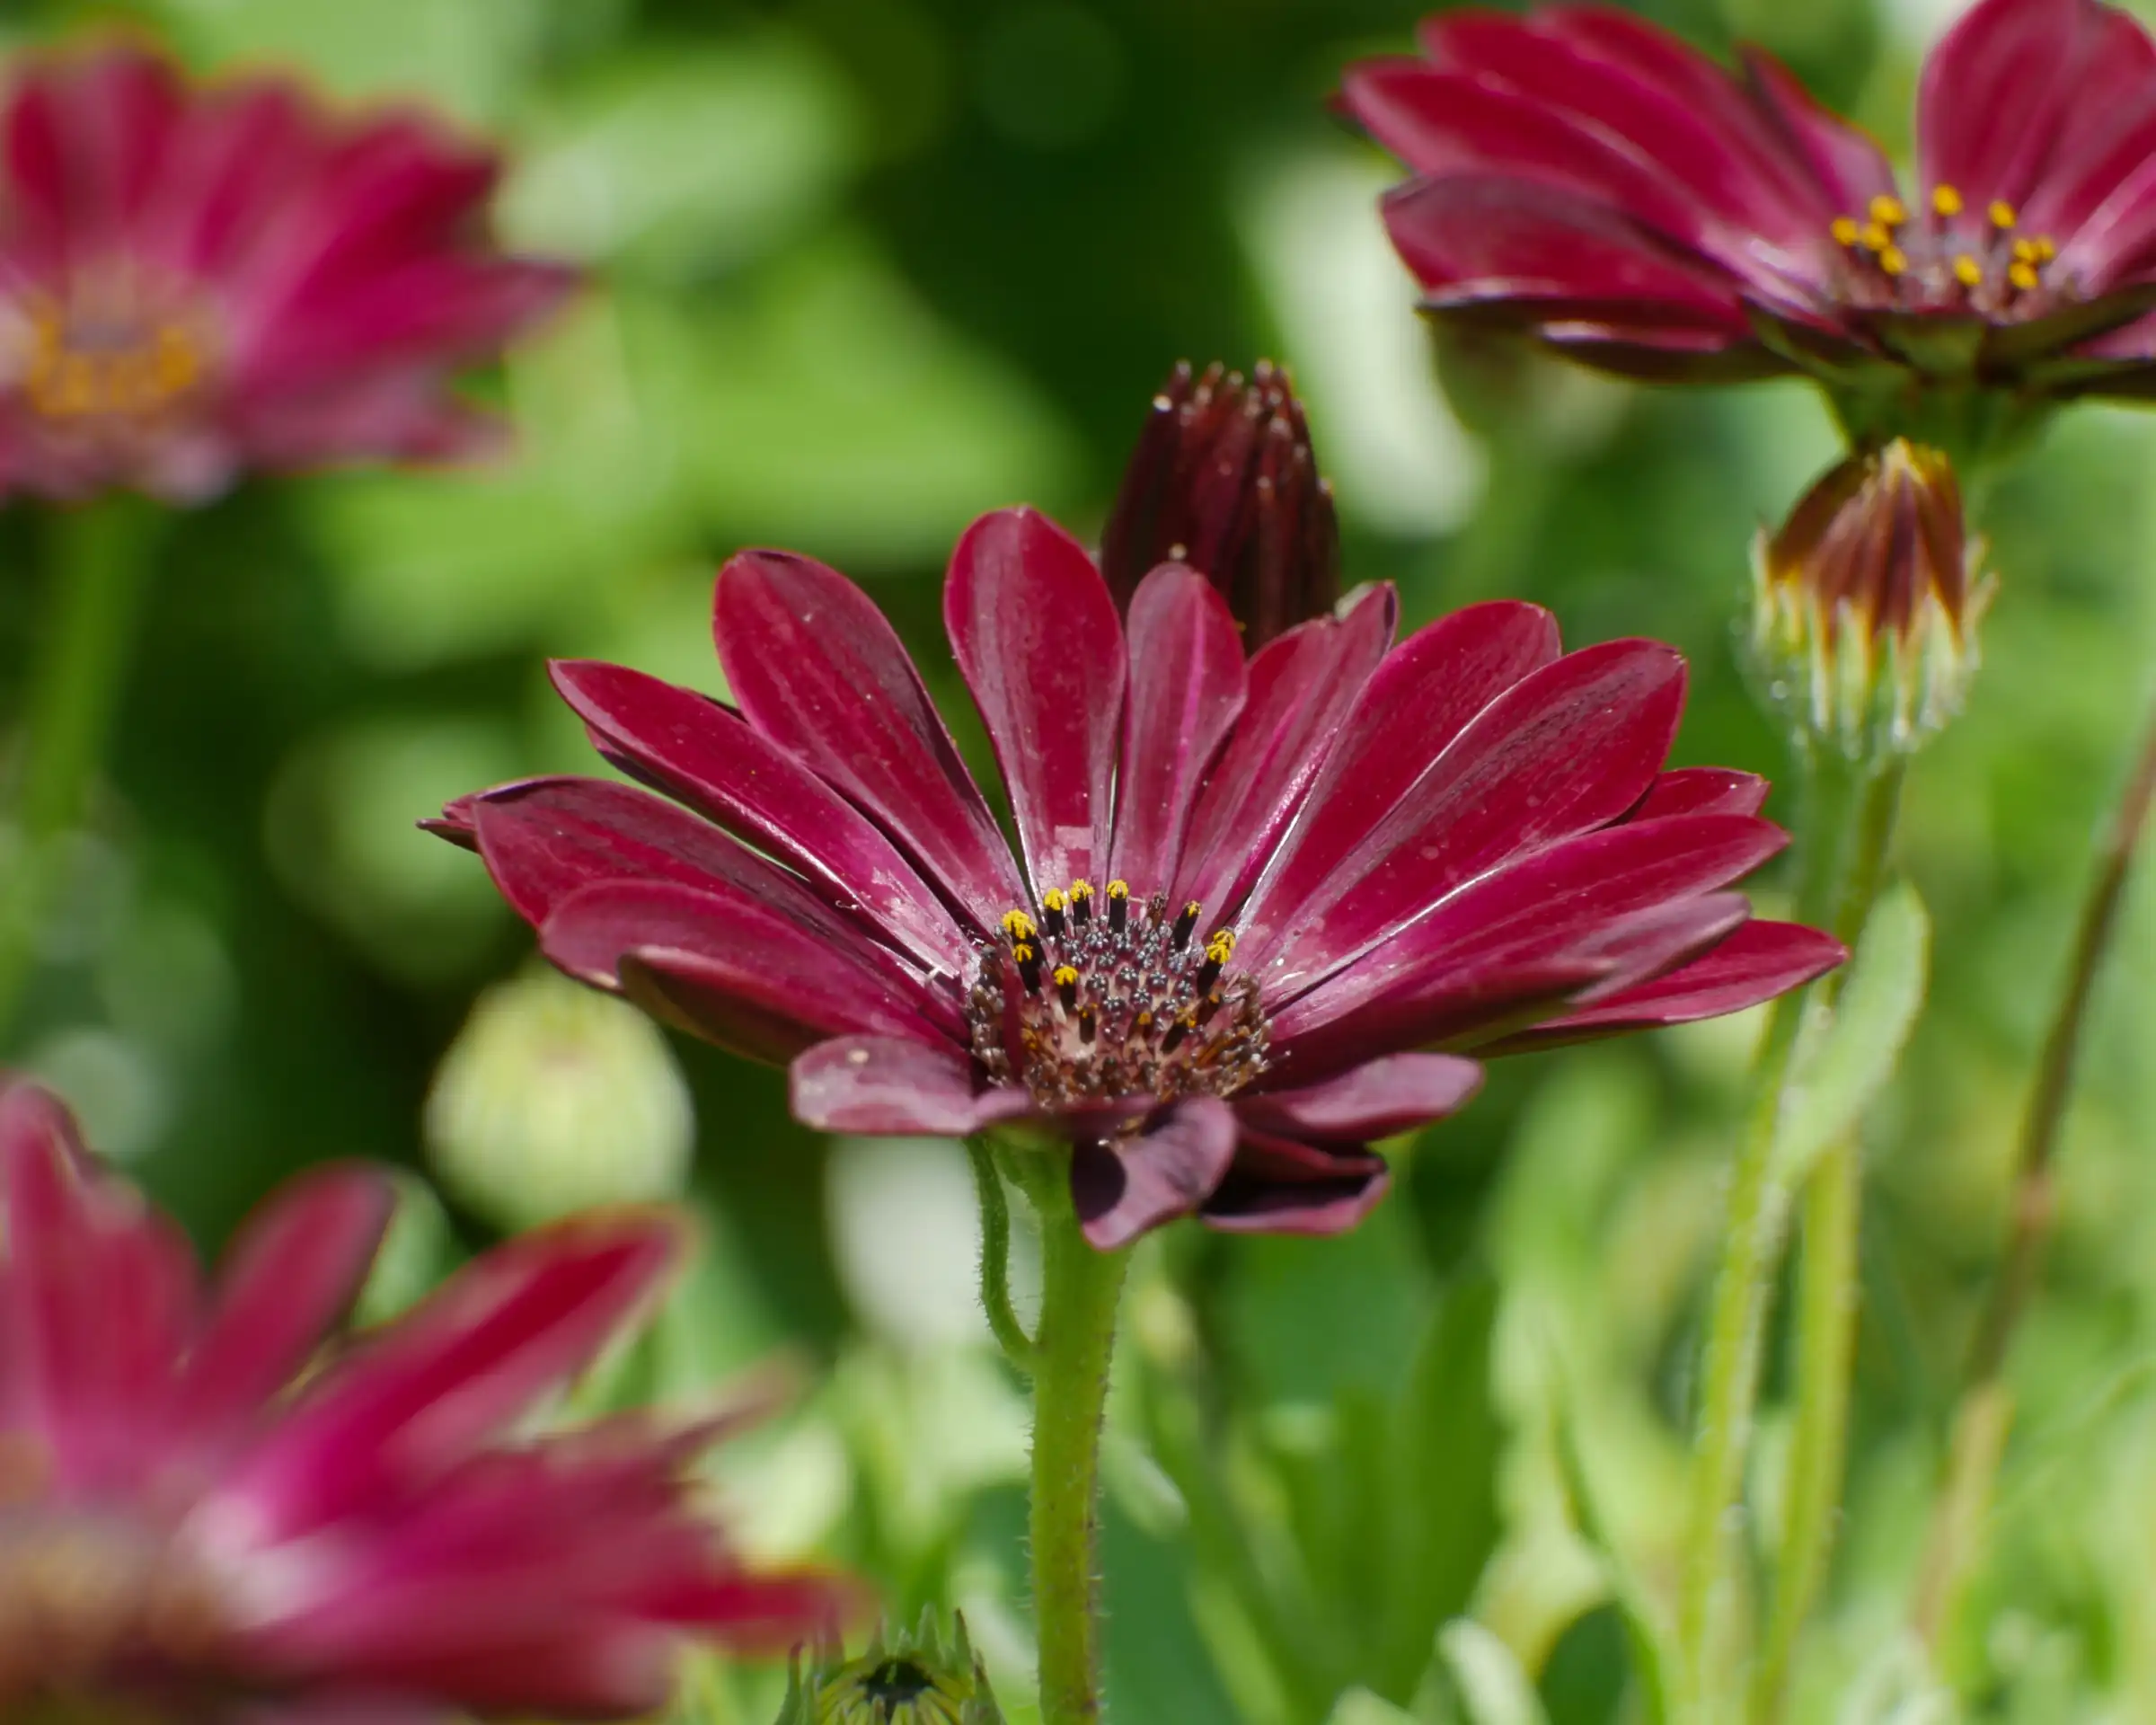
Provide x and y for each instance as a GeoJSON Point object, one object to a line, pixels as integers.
{"type": "Point", "coordinates": [1590, 178]}
{"type": "Point", "coordinates": [1223, 479]}
{"type": "Point", "coordinates": [197, 1527]}
{"type": "Point", "coordinates": [197, 282]}
{"type": "Point", "coordinates": [1264, 903]}
{"type": "Point", "coordinates": [1866, 603]}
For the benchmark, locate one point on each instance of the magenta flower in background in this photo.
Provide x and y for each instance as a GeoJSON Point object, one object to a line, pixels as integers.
{"type": "Point", "coordinates": [194, 1526]}
{"type": "Point", "coordinates": [1590, 178]}
{"type": "Point", "coordinates": [195, 282]}
{"type": "Point", "coordinates": [1264, 906]}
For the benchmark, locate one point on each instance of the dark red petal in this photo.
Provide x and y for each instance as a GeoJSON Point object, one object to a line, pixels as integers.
{"type": "Point", "coordinates": [1703, 791]}
{"type": "Point", "coordinates": [1302, 686]}
{"type": "Point", "coordinates": [878, 1085]}
{"type": "Point", "coordinates": [1993, 90]}
{"type": "Point", "coordinates": [1413, 708]}
{"type": "Point", "coordinates": [1034, 632]}
{"type": "Point", "coordinates": [1277, 1185]}
{"type": "Point", "coordinates": [692, 748]}
{"type": "Point", "coordinates": [1844, 160]}
{"type": "Point", "coordinates": [1124, 1185]}
{"type": "Point", "coordinates": [730, 969]}
{"type": "Point", "coordinates": [1394, 1093]}
{"type": "Point", "coordinates": [1187, 686]}
{"type": "Point", "coordinates": [816, 667]}
{"type": "Point", "coordinates": [286, 1279]}
{"type": "Point", "coordinates": [1757, 962]}
{"type": "Point", "coordinates": [422, 1396]}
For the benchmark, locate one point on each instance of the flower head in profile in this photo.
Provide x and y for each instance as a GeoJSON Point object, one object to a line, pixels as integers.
{"type": "Point", "coordinates": [196, 1526]}
{"type": "Point", "coordinates": [200, 280]}
{"type": "Point", "coordinates": [1586, 176]}
{"type": "Point", "coordinates": [1265, 906]}
{"type": "Point", "coordinates": [1866, 603]}
{"type": "Point", "coordinates": [1223, 479]}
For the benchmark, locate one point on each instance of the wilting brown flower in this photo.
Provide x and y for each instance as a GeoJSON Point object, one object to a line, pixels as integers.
{"type": "Point", "coordinates": [1224, 480]}
{"type": "Point", "coordinates": [1867, 598]}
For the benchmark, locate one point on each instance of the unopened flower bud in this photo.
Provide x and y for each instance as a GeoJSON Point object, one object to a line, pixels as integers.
{"type": "Point", "coordinates": [916, 1679]}
{"type": "Point", "coordinates": [1866, 603]}
{"type": "Point", "coordinates": [1223, 479]}
{"type": "Point", "coordinates": [554, 1098]}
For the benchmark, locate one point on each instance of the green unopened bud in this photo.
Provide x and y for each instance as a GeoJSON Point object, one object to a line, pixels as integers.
{"type": "Point", "coordinates": [554, 1098]}
{"type": "Point", "coordinates": [916, 1679]}
{"type": "Point", "coordinates": [1866, 602]}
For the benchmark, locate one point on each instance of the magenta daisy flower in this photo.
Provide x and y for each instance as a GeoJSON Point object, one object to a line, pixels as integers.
{"type": "Point", "coordinates": [1264, 906]}
{"type": "Point", "coordinates": [195, 1525]}
{"type": "Point", "coordinates": [199, 281]}
{"type": "Point", "coordinates": [1590, 178]}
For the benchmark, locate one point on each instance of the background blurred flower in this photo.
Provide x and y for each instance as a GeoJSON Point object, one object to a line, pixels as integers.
{"type": "Point", "coordinates": [1223, 479]}
{"type": "Point", "coordinates": [185, 1531]}
{"type": "Point", "coordinates": [195, 282]}
{"type": "Point", "coordinates": [1588, 176]}
{"type": "Point", "coordinates": [1311, 864]}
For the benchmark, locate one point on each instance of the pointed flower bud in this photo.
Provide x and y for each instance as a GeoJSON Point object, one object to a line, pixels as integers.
{"type": "Point", "coordinates": [916, 1679]}
{"type": "Point", "coordinates": [1223, 479]}
{"type": "Point", "coordinates": [1866, 603]}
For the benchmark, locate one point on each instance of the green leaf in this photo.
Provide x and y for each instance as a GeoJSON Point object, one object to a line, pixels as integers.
{"type": "Point", "coordinates": [1849, 1057]}
{"type": "Point", "coordinates": [1476, 1679]}
{"type": "Point", "coordinates": [1360, 1707]}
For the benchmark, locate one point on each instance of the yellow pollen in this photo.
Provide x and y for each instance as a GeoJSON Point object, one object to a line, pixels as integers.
{"type": "Point", "coordinates": [1066, 976]}
{"type": "Point", "coordinates": [1221, 948]}
{"type": "Point", "coordinates": [1118, 889]}
{"type": "Point", "coordinates": [1874, 237]}
{"type": "Point", "coordinates": [1844, 230]}
{"type": "Point", "coordinates": [1017, 925]}
{"type": "Point", "coordinates": [2002, 214]}
{"type": "Point", "coordinates": [1053, 899]}
{"type": "Point", "coordinates": [1946, 200]}
{"type": "Point", "coordinates": [2023, 275]}
{"type": "Point", "coordinates": [1081, 889]}
{"type": "Point", "coordinates": [1894, 261]}
{"type": "Point", "coordinates": [1023, 953]}
{"type": "Point", "coordinates": [131, 379]}
{"type": "Point", "coordinates": [1968, 272]}
{"type": "Point", "coordinates": [2026, 250]}
{"type": "Point", "coordinates": [2046, 249]}
{"type": "Point", "coordinates": [1887, 211]}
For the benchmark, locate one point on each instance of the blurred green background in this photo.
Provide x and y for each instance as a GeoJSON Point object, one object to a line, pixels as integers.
{"type": "Point", "coordinates": [865, 269]}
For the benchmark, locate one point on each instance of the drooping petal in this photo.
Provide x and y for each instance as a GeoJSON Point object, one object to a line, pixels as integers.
{"type": "Point", "coordinates": [881, 1086]}
{"type": "Point", "coordinates": [1301, 686]}
{"type": "Point", "coordinates": [1123, 1186]}
{"type": "Point", "coordinates": [814, 667]}
{"type": "Point", "coordinates": [692, 748]}
{"type": "Point", "coordinates": [1278, 1185]}
{"type": "Point", "coordinates": [1702, 791]}
{"type": "Point", "coordinates": [1186, 687]}
{"type": "Point", "coordinates": [1759, 961]}
{"type": "Point", "coordinates": [1034, 632]}
{"type": "Point", "coordinates": [1394, 1093]}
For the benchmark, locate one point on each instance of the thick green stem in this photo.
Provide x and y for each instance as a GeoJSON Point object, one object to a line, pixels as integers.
{"type": "Point", "coordinates": [1080, 1289]}
{"type": "Point", "coordinates": [95, 574]}
{"type": "Point", "coordinates": [1980, 1420]}
{"type": "Point", "coordinates": [1847, 824]}
{"type": "Point", "coordinates": [996, 1257]}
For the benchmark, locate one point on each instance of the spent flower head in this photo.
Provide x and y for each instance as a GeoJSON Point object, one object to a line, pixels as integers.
{"type": "Point", "coordinates": [1225, 480]}
{"type": "Point", "coordinates": [1866, 603]}
{"type": "Point", "coordinates": [1267, 907]}
{"type": "Point", "coordinates": [199, 1524]}
{"type": "Point", "coordinates": [911, 1678]}
{"type": "Point", "coordinates": [200, 279]}
{"type": "Point", "coordinates": [1588, 176]}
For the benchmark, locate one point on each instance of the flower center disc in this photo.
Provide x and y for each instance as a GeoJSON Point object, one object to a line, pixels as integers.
{"type": "Point", "coordinates": [1098, 999]}
{"type": "Point", "coordinates": [1947, 257]}
{"type": "Point", "coordinates": [87, 362]}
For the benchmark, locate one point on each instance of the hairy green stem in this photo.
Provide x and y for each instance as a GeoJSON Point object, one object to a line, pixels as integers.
{"type": "Point", "coordinates": [1080, 1289]}
{"type": "Point", "coordinates": [1843, 834]}
{"type": "Point", "coordinates": [1984, 1412]}
{"type": "Point", "coordinates": [996, 1257]}
{"type": "Point", "coordinates": [96, 566]}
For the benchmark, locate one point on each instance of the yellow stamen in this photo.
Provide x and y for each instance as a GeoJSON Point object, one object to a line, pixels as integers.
{"type": "Point", "coordinates": [2046, 249]}
{"type": "Point", "coordinates": [2026, 250]}
{"type": "Point", "coordinates": [2023, 275]}
{"type": "Point", "coordinates": [1118, 889]}
{"type": "Point", "coordinates": [1894, 261]}
{"type": "Point", "coordinates": [1874, 237]}
{"type": "Point", "coordinates": [1887, 210]}
{"type": "Point", "coordinates": [1968, 272]}
{"type": "Point", "coordinates": [1946, 200]}
{"type": "Point", "coordinates": [1053, 899]}
{"type": "Point", "coordinates": [1081, 889]}
{"type": "Point", "coordinates": [1064, 976]}
{"type": "Point", "coordinates": [1221, 948]}
{"type": "Point", "coordinates": [2002, 214]}
{"type": "Point", "coordinates": [1017, 925]}
{"type": "Point", "coordinates": [1844, 230]}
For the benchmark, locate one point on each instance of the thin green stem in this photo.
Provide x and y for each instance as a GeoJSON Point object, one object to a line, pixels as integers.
{"type": "Point", "coordinates": [1979, 1431]}
{"type": "Point", "coordinates": [995, 1258]}
{"type": "Point", "coordinates": [1844, 833]}
{"type": "Point", "coordinates": [96, 576]}
{"type": "Point", "coordinates": [1080, 1290]}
